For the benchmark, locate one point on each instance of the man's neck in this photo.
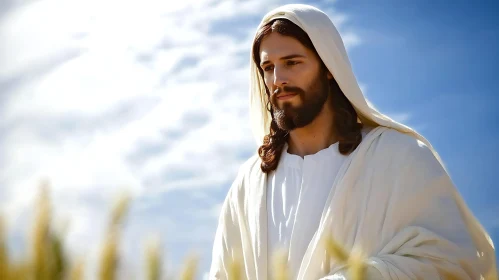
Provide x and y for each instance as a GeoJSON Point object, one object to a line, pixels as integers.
{"type": "Point", "coordinates": [316, 136]}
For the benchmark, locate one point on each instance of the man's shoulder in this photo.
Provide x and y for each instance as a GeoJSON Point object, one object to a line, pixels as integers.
{"type": "Point", "coordinates": [249, 168]}
{"type": "Point", "coordinates": [393, 141]}
{"type": "Point", "coordinates": [248, 177]}
{"type": "Point", "coordinates": [405, 150]}
{"type": "Point", "coordinates": [250, 164]}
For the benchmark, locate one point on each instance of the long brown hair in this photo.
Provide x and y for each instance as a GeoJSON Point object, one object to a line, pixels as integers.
{"type": "Point", "coordinates": [346, 127]}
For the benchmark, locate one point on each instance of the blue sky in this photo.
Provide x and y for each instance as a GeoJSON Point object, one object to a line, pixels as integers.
{"type": "Point", "coordinates": [150, 98]}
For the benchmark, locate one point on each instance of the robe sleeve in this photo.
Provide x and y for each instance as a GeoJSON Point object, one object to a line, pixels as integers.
{"type": "Point", "coordinates": [427, 232]}
{"type": "Point", "coordinates": [227, 245]}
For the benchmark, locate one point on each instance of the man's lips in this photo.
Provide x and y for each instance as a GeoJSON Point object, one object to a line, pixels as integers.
{"type": "Point", "coordinates": [286, 96]}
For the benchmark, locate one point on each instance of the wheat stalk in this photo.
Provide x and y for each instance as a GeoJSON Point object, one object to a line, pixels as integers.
{"type": "Point", "coordinates": [109, 256]}
{"type": "Point", "coordinates": [48, 261]}
{"type": "Point", "coordinates": [4, 254]}
{"type": "Point", "coordinates": [235, 266]}
{"type": "Point", "coordinates": [190, 268]}
{"type": "Point", "coordinates": [77, 271]}
{"type": "Point", "coordinates": [354, 261]}
{"type": "Point", "coordinates": [41, 237]}
{"type": "Point", "coordinates": [153, 260]}
{"type": "Point", "coordinates": [280, 269]}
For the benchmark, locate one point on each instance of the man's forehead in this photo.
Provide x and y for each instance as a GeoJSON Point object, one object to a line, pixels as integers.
{"type": "Point", "coordinates": [279, 47]}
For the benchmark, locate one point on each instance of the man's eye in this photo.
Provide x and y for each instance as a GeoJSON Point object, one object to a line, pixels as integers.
{"type": "Point", "coordinates": [267, 68]}
{"type": "Point", "coordinates": [290, 62]}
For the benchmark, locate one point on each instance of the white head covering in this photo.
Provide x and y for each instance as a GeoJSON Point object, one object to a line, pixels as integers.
{"type": "Point", "coordinates": [329, 45]}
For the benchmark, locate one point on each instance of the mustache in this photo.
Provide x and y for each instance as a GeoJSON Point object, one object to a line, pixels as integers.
{"type": "Point", "coordinates": [288, 89]}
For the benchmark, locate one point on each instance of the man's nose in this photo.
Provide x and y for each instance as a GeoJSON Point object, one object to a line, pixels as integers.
{"type": "Point", "coordinates": [280, 77]}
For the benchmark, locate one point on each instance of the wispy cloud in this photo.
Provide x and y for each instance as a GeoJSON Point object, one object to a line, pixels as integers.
{"type": "Point", "coordinates": [149, 97]}
{"type": "Point", "coordinates": [400, 117]}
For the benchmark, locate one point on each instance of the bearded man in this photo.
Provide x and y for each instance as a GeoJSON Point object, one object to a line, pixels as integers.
{"type": "Point", "coordinates": [331, 165]}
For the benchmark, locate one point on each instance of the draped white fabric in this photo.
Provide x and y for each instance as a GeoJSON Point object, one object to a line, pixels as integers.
{"type": "Point", "coordinates": [391, 199]}
{"type": "Point", "coordinates": [296, 195]}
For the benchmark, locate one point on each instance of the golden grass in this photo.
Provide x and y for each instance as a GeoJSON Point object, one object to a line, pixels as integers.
{"type": "Point", "coordinates": [153, 260]}
{"type": "Point", "coordinates": [4, 257]}
{"type": "Point", "coordinates": [190, 268]}
{"type": "Point", "coordinates": [235, 269]}
{"type": "Point", "coordinates": [109, 256]}
{"type": "Point", "coordinates": [280, 269]}
{"type": "Point", "coordinates": [76, 272]}
{"type": "Point", "coordinates": [353, 260]}
{"type": "Point", "coordinates": [47, 259]}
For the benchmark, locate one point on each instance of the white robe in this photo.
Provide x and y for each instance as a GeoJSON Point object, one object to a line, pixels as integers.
{"type": "Point", "coordinates": [391, 198]}
{"type": "Point", "coordinates": [296, 194]}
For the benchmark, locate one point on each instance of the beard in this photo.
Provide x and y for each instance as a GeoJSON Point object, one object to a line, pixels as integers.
{"type": "Point", "coordinates": [289, 117]}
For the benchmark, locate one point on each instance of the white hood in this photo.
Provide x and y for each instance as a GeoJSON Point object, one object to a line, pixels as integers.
{"type": "Point", "coordinates": [330, 47]}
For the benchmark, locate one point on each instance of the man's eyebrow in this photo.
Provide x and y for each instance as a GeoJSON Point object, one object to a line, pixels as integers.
{"type": "Point", "coordinates": [284, 58]}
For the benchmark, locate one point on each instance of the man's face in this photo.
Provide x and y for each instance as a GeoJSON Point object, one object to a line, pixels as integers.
{"type": "Point", "coordinates": [298, 87]}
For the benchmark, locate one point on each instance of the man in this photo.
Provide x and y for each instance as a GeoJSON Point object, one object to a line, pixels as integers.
{"type": "Point", "coordinates": [332, 166]}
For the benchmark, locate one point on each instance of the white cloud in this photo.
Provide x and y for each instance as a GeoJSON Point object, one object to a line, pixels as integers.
{"type": "Point", "coordinates": [103, 96]}
{"type": "Point", "coordinates": [400, 117]}
{"type": "Point", "coordinates": [351, 40]}
{"type": "Point", "coordinates": [363, 88]}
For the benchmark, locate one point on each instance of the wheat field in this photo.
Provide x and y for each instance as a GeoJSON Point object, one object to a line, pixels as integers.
{"type": "Point", "coordinates": [48, 260]}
